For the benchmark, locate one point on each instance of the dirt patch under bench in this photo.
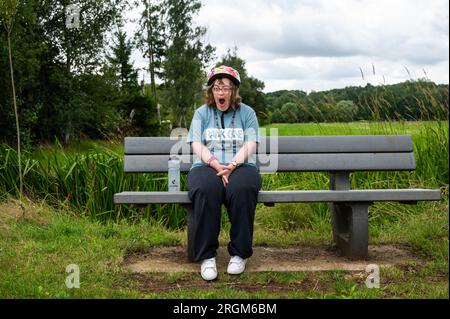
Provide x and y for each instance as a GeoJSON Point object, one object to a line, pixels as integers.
{"type": "Point", "coordinates": [269, 258]}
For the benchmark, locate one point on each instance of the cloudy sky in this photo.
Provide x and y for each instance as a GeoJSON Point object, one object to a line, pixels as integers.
{"type": "Point", "coordinates": [325, 44]}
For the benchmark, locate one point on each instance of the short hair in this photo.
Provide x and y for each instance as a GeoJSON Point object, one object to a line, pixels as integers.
{"type": "Point", "coordinates": [235, 99]}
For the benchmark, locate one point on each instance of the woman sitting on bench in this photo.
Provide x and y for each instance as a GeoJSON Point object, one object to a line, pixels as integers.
{"type": "Point", "coordinates": [223, 133]}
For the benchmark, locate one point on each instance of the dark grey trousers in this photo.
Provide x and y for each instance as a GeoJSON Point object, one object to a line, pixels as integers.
{"type": "Point", "coordinates": [207, 194]}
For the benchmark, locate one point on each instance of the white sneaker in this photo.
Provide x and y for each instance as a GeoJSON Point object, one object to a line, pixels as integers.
{"type": "Point", "coordinates": [208, 269]}
{"type": "Point", "coordinates": [236, 265]}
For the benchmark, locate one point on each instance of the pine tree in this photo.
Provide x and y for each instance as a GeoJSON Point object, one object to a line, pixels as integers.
{"type": "Point", "coordinates": [120, 62]}
{"type": "Point", "coordinates": [186, 57]}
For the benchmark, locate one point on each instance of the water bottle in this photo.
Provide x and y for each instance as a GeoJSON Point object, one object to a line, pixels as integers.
{"type": "Point", "coordinates": [174, 174]}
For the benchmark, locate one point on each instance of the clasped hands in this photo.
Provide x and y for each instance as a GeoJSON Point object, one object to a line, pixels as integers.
{"type": "Point", "coordinates": [223, 171]}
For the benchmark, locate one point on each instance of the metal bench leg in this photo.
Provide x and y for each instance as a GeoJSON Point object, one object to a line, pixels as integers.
{"type": "Point", "coordinates": [350, 228]}
{"type": "Point", "coordinates": [190, 231]}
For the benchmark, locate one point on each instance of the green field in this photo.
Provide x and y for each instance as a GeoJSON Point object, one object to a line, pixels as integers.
{"type": "Point", "coordinates": [354, 128]}
{"type": "Point", "coordinates": [69, 219]}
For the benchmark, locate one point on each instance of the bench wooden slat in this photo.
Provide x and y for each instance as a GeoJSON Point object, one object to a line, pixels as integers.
{"type": "Point", "coordinates": [290, 162]}
{"type": "Point", "coordinates": [402, 195]}
{"type": "Point", "coordinates": [338, 144]}
{"type": "Point", "coordinates": [285, 144]}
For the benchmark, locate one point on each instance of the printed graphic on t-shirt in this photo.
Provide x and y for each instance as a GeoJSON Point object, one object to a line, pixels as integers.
{"type": "Point", "coordinates": [227, 134]}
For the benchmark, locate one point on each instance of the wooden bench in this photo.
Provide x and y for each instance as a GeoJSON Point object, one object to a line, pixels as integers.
{"type": "Point", "coordinates": [338, 155]}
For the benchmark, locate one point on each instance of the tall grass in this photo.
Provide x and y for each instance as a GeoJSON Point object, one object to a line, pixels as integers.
{"type": "Point", "coordinates": [85, 182]}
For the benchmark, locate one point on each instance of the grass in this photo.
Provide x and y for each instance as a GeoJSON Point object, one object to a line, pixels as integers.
{"type": "Point", "coordinates": [35, 251]}
{"type": "Point", "coordinates": [355, 128]}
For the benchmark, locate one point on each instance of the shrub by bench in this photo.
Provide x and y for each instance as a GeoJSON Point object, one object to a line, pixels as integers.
{"type": "Point", "coordinates": [338, 155]}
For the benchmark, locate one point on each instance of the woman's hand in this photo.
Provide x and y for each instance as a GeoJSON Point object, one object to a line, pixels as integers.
{"type": "Point", "coordinates": [217, 166]}
{"type": "Point", "coordinates": [225, 173]}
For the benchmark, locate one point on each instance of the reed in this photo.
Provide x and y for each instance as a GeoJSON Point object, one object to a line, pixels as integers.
{"type": "Point", "coordinates": [84, 183]}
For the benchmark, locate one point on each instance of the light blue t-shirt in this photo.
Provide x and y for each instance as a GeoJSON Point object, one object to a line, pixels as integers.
{"type": "Point", "coordinates": [224, 133]}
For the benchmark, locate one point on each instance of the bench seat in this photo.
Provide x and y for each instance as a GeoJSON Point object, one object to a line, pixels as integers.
{"type": "Point", "coordinates": [301, 196]}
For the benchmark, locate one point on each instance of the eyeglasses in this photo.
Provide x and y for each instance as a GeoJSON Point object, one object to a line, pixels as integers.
{"type": "Point", "coordinates": [224, 89]}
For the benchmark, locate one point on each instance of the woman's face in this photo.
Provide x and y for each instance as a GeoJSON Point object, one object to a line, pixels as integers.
{"type": "Point", "coordinates": [222, 89]}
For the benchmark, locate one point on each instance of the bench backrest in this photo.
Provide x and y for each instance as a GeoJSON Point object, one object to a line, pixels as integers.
{"type": "Point", "coordinates": [286, 153]}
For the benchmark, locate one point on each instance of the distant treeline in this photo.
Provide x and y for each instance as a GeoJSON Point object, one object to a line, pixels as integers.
{"type": "Point", "coordinates": [410, 100]}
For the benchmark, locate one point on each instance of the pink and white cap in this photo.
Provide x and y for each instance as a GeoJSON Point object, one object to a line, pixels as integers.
{"type": "Point", "coordinates": [224, 72]}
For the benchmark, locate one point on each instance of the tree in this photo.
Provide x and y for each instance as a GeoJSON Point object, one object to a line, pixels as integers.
{"type": "Point", "coordinates": [142, 113]}
{"type": "Point", "coordinates": [120, 60]}
{"type": "Point", "coordinates": [290, 112]}
{"type": "Point", "coordinates": [277, 117]}
{"type": "Point", "coordinates": [79, 47]}
{"type": "Point", "coordinates": [135, 105]}
{"type": "Point", "coordinates": [345, 111]}
{"type": "Point", "coordinates": [8, 11]}
{"type": "Point", "coordinates": [186, 57]}
{"type": "Point", "coordinates": [72, 52]}
{"type": "Point", "coordinates": [150, 38]}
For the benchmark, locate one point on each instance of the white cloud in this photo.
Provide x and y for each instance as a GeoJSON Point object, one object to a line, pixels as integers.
{"type": "Point", "coordinates": [322, 44]}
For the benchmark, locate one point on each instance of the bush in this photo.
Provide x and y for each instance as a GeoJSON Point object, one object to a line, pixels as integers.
{"type": "Point", "coordinates": [142, 112]}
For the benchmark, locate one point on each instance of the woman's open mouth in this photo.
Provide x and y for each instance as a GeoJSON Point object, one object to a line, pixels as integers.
{"type": "Point", "coordinates": [221, 101]}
